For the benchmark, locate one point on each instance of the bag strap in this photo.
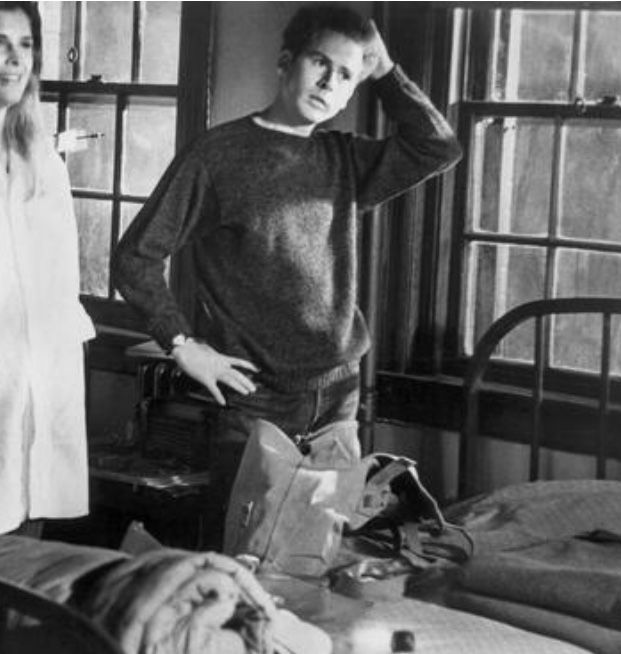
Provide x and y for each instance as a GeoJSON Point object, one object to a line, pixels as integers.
{"type": "Point", "coordinates": [413, 527]}
{"type": "Point", "coordinates": [398, 475]}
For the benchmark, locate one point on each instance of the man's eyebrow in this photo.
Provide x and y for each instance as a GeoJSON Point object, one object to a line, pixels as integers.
{"type": "Point", "coordinates": [313, 52]}
{"type": "Point", "coordinates": [318, 53]}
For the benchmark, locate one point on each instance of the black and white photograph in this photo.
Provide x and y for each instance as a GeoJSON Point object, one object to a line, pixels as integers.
{"type": "Point", "coordinates": [310, 341]}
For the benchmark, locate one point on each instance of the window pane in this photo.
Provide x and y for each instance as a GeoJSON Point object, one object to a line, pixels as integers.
{"type": "Point", "coordinates": [592, 181]}
{"type": "Point", "coordinates": [603, 56]}
{"type": "Point", "coordinates": [160, 56]}
{"type": "Point", "coordinates": [92, 168]}
{"type": "Point", "coordinates": [129, 210]}
{"type": "Point", "coordinates": [485, 175]}
{"type": "Point", "coordinates": [504, 276]}
{"type": "Point", "coordinates": [532, 172]}
{"type": "Point", "coordinates": [615, 345]}
{"type": "Point", "coordinates": [587, 330]}
{"type": "Point", "coordinates": [570, 330]}
{"type": "Point", "coordinates": [94, 220]}
{"type": "Point", "coordinates": [534, 56]}
{"type": "Point", "coordinates": [150, 144]}
{"type": "Point", "coordinates": [108, 40]}
{"type": "Point", "coordinates": [49, 113]}
{"type": "Point", "coordinates": [57, 25]}
{"type": "Point", "coordinates": [515, 176]}
{"type": "Point", "coordinates": [586, 273]}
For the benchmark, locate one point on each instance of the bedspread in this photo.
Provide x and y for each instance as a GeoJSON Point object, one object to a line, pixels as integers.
{"type": "Point", "coordinates": [548, 588]}
{"type": "Point", "coordinates": [364, 627]}
{"type": "Point", "coordinates": [547, 559]}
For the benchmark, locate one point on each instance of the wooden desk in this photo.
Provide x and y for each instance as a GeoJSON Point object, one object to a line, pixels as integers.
{"type": "Point", "coordinates": [176, 510]}
{"type": "Point", "coordinates": [163, 480]}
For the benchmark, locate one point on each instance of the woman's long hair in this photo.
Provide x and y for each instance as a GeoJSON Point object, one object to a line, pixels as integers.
{"type": "Point", "coordinates": [22, 124]}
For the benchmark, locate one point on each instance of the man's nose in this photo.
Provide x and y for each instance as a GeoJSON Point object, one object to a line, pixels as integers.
{"type": "Point", "coordinates": [327, 79]}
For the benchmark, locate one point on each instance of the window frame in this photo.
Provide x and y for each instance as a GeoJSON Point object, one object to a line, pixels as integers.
{"type": "Point", "coordinates": [425, 386]}
{"type": "Point", "coordinates": [192, 94]}
{"type": "Point", "coordinates": [471, 110]}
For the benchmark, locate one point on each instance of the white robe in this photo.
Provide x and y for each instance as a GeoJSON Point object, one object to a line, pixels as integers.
{"type": "Point", "coordinates": [43, 456]}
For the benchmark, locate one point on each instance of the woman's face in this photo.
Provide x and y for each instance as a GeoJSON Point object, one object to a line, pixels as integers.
{"type": "Point", "coordinates": [16, 56]}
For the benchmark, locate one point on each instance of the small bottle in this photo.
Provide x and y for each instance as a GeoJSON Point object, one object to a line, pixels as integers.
{"type": "Point", "coordinates": [402, 641]}
{"type": "Point", "coordinates": [379, 639]}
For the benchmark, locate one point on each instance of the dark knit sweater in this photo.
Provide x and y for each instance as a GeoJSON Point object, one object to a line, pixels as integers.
{"type": "Point", "coordinates": [271, 219]}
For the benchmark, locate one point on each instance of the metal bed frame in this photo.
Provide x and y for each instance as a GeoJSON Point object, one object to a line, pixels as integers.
{"type": "Point", "coordinates": [79, 632]}
{"type": "Point", "coordinates": [540, 311]}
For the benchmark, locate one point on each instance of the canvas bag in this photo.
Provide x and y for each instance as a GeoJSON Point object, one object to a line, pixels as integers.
{"type": "Point", "coordinates": [293, 498]}
{"type": "Point", "coordinates": [290, 501]}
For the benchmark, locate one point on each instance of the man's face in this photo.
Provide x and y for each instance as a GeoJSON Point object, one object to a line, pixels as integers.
{"type": "Point", "coordinates": [320, 81]}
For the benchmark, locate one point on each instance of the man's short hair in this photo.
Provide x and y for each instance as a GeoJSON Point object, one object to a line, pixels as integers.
{"type": "Point", "coordinates": [311, 21]}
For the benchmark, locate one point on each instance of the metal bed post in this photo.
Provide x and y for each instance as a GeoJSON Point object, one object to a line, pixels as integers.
{"type": "Point", "coordinates": [537, 395]}
{"type": "Point", "coordinates": [76, 626]}
{"type": "Point", "coordinates": [540, 310]}
{"type": "Point", "coordinates": [604, 396]}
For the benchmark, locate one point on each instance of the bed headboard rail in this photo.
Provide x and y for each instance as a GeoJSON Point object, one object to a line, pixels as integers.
{"type": "Point", "coordinates": [538, 310]}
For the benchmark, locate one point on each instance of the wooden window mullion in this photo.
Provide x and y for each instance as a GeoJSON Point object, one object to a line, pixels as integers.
{"type": "Point", "coordinates": [138, 27]}
{"type": "Point", "coordinates": [121, 110]}
{"type": "Point", "coordinates": [79, 40]}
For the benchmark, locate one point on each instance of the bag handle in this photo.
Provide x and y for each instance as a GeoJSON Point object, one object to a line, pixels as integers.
{"type": "Point", "coordinates": [388, 474]}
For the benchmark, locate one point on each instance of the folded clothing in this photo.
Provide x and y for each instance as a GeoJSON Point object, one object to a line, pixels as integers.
{"type": "Point", "coordinates": [575, 577]}
{"type": "Point", "coordinates": [163, 601]}
{"type": "Point", "coordinates": [547, 559]}
{"type": "Point", "coordinates": [526, 514]}
{"type": "Point", "coordinates": [592, 637]}
{"type": "Point", "coordinates": [49, 567]}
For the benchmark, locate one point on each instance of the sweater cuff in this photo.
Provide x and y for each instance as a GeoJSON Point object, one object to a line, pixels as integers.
{"type": "Point", "coordinates": [392, 80]}
{"type": "Point", "coordinates": [164, 329]}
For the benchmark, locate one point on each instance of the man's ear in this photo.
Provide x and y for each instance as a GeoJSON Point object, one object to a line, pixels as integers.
{"type": "Point", "coordinates": [284, 61]}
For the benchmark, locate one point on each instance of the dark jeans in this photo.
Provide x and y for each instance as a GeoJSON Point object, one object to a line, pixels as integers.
{"type": "Point", "coordinates": [302, 412]}
{"type": "Point", "coordinates": [296, 413]}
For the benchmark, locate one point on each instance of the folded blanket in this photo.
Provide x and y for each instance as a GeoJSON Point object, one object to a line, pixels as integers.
{"type": "Point", "coordinates": [575, 577]}
{"type": "Point", "coordinates": [595, 638]}
{"type": "Point", "coordinates": [164, 601]}
{"type": "Point", "coordinates": [49, 567]}
{"type": "Point", "coordinates": [526, 514]}
{"type": "Point", "coordinates": [175, 602]}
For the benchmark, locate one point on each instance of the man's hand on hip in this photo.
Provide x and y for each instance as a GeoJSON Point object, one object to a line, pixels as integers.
{"type": "Point", "coordinates": [210, 368]}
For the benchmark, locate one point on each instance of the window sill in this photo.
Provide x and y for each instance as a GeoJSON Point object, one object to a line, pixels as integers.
{"type": "Point", "coordinates": [569, 422]}
{"type": "Point", "coordinates": [106, 351]}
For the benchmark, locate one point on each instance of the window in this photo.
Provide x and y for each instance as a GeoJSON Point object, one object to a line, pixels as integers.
{"type": "Point", "coordinates": [109, 73]}
{"type": "Point", "coordinates": [539, 213]}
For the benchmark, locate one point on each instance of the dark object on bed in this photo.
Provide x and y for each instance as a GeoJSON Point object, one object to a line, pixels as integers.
{"type": "Point", "coordinates": [52, 628]}
{"type": "Point", "coordinates": [541, 312]}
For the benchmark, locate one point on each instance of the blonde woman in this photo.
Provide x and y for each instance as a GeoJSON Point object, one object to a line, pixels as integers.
{"type": "Point", "coordinates": [43, 463]}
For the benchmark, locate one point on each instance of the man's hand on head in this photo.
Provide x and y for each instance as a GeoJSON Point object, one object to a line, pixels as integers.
{"type": "Point", "coordinates": [377, 61]}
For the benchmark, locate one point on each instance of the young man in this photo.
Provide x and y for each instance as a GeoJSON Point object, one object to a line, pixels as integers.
{"type": "Point", "coordinates": [269, 206]}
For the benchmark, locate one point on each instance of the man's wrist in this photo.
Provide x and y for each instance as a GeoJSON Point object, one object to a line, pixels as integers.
{"type": "Point", "coordinates": [177, 341]}
{"type": "Point", "coordinates": [383, 68]}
